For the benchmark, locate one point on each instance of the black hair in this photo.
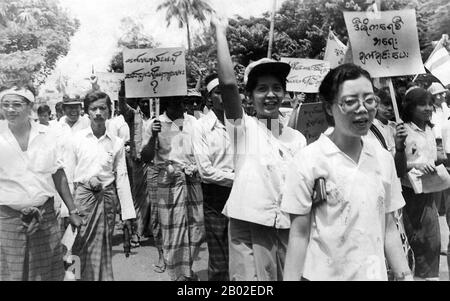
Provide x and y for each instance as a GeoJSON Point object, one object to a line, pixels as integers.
{"type": "Point", "coordinates": [415, 97]}
{"type": "Point", "coordinates": [210, 78]}
{"type": "Point", "coordinates": [329, 88]}
{"type": "Point", "coordinates": [92, 97]}
{"type": "Point", "coordinates": [384, 95]}
{"type": "Point", "coordinates": [253, 81]}
{"type": "Point", "coordinates": [59, 107]}
{"type": "Point", "coordinates": [44, 109]}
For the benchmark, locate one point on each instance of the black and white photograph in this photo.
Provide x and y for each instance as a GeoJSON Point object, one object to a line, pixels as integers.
{"type": "Point", "coordinates": [219, 143]}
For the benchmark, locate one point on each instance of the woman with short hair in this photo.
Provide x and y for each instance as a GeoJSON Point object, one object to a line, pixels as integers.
{"type": "Point", "coordinates": [342, 191]}
{"type": "Point", "coordinates": [258, 229]}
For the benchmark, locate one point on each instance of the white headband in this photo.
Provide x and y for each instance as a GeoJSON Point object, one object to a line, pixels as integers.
{"type": "Point", "coordinates": [21, 92]}
{"type": "Point", "coordinates": [212, 84]}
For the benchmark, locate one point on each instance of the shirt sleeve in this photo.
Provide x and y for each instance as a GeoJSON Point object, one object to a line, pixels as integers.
{"type": "Point", "coordinates": [238, 131]}
{"type": "Point", "coordinates": [124, 132]}
{"type": "Point", "coordinates": [123, 185]}
{"type": "Point", "coordinates": [208, 172]}
{"type": "Point", "coordinates": [297, 188]}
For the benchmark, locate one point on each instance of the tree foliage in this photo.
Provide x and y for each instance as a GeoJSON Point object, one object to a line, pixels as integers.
{"type": "Point", "coordinates": [134, 38]}
{"type": "Point", "coordinates": [34, 34]}
{"type": "Point", "coordinates": [302, 27]}
{"type": "Point", "coordinates": [185, 10]}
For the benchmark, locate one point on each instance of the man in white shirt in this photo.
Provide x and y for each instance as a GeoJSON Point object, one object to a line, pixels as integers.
{"type": "Point", "coordinates": [136, 113]}
{"type": "Point", "coordinates": [30, 175]}
{"type": "Point", "coordinates": [99, 161]}
{"type": "Point", "coordinates": [214, 156]}
{"type": "Point", "coordinates": [168, 145]}
{"type": "Point", "coordinates": [73, 119]}
{"type": "Point", "coordinates": [67, 126]}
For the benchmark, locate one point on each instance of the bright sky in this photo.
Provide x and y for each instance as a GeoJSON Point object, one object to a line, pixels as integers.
{"type": "Point", "coordinates": [95, 42]}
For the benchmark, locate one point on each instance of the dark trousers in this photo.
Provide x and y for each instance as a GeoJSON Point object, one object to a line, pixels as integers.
{"type": "Point", "coordinates": [422, 228]}
{"type": "Point", "coordinates": [216, 227]}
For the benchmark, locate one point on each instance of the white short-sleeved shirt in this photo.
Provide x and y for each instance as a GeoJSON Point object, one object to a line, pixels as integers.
{"type": "Point", "coordinates": [260, 161]}
{"type": "Point", "coordinates": [438, 118]}
{"type": "Point", "coordinates": [26, 177]}
{"type": "Point", "coordinates": [213, 151]}
{"type": "Point", "coordinates": [117, 126]}
{"type": "Point", "coordinates": [348, 231]}
{"type": "Point", "coordinates": [103, 158]}
{"type": "Point", "coordinates": [175, 140]}
{"type": "Point", "coordinates": [388, 131]}
{"type": "Point", "coordinates": [420, 147]}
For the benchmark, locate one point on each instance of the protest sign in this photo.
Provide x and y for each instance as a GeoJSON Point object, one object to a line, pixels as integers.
{"type": "Point", "coordinates": [335, 51]}
{"type": "Point", "coordinates": [155, 72]}
{"type": "Point", "coordinates": [306, 74]}
{"type": "Point", "coordinates": [385, 43]}
{"type": "Point", "coordinates": [311, 121]}
{"type": "Point", "coordinates": [110, 83]}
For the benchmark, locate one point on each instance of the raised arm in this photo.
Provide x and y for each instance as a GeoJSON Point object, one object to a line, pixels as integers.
{"type": "Point", "coordinates": [126, 110]}
{"type": "Point", "coordinates": [228, 84]}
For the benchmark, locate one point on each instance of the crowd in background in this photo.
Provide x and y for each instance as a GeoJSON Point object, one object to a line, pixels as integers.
{"type": "Point", "coordinates": [223, 166]}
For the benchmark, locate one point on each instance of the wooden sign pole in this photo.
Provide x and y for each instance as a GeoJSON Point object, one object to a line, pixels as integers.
{"type": "Point", "coordinates": [377, 8]}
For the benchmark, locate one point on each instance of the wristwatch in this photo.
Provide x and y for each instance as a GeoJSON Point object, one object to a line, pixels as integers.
{"type": "Point", "coordinates": [74, 211]}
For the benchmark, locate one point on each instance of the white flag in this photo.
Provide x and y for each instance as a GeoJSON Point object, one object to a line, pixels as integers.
{"type": "Point", "coordinates": [439, 63]}
{"type": "Point", "coordinates": [335, 51]}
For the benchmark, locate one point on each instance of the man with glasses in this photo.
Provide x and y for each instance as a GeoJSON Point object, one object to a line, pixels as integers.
{"type": "Point", "coordinates": [31, 174]}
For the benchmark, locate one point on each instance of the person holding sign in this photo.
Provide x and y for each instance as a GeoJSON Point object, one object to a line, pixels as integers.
{"type": "Point", "coordinates": [420, 213]}
{"type": "Point", "coordinates": [168, 144]}
{"type": "Point", "coordinates": [258, 229]}
{"type": "Point", "coordinates": [342, 191]}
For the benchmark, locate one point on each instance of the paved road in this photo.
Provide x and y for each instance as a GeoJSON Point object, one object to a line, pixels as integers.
{"type": "Point", "coordinates": [138, 267]}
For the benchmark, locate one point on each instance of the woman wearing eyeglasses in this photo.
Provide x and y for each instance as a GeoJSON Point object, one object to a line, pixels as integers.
{"type": "Point", "coordinates": [342, 199]}
{"type": "Point", "coordinates": [420, 213]}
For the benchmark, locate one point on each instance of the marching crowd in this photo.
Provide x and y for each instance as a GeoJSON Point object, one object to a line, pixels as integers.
{"type": "Point", "coordinates": [269, 206]}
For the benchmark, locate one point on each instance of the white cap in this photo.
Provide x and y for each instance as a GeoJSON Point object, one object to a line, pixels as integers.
{"type": "Point", "coordinates": [266, 65]}
{"type": "Point", "coordinates": [436, 88]}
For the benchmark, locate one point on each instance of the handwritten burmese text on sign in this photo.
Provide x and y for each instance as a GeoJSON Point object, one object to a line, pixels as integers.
{"type": "Point", "coordinates": [385, 43]}
{"type": "Point", "coordinates": [155, 72]}
{"type": "Point", "coordinates": [306, 75]}
{"type": "Point", "coordinates": [311, 121]}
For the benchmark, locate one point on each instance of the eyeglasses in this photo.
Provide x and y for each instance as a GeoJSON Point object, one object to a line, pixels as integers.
{"type": "Point", "coordinates": [351, 103]}
{"type": "Point", "coordinates": [16, 106]}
